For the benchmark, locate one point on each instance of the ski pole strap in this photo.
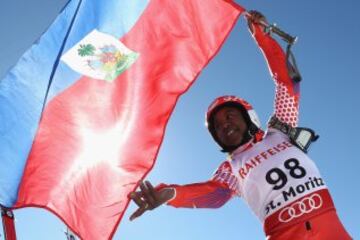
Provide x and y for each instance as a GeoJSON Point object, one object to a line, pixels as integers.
{"type": "Point", "coordinates": [300, 137]}
{"type": "Point", "coordinates": [8, 223]}
{"type": "Point", "coordinates": [292, 68]}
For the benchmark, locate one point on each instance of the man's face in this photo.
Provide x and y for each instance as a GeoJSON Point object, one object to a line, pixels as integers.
{"type": "Point", "coordinates": [230, 126]}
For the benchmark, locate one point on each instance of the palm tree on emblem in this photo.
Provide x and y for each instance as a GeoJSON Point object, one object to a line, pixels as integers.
{"type": "Point", "coordinates": [86, 50]}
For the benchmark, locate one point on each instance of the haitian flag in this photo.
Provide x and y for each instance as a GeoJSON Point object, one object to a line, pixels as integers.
{"type": "Point", "coordinates": [83, 112]}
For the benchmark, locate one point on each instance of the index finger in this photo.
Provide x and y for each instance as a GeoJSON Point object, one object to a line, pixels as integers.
{"type": "Point", "coordinates": [140, 211]}
{"type": "Point", "coordinates": [149, 195]}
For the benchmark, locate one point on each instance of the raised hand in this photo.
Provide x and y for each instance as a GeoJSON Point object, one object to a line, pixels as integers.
{"type": "Point", "coordinates": [256, 17]}
{"type": "Point", "coordinates": [149, 198]}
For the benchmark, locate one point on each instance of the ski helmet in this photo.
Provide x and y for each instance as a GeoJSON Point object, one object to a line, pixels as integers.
{"type": "Point", "coordinates": [251, 118]}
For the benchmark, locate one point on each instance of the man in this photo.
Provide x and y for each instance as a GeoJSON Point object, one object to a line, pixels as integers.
{"type": "Point", "coordinates": [270, 171]}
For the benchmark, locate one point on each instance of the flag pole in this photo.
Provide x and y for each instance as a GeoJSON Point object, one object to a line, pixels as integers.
{"type": "Point", "coordinates": [7, 216]}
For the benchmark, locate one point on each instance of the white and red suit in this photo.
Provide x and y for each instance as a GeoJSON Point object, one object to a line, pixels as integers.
{"type": "Point", "coordinates": [279, 182]}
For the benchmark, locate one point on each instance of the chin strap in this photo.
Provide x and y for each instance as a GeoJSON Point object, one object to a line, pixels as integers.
{"type": "Point", "coordinates": [8, 223]}
{"type": "Point", "coordinates": [253, 135]}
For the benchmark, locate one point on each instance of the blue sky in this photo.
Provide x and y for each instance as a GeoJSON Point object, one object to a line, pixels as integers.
{"type": "Point", "coordinates": [328, 56]}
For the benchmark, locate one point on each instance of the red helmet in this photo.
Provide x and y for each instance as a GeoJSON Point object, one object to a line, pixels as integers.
{"type": "Point", "coordinates": [252, 120]}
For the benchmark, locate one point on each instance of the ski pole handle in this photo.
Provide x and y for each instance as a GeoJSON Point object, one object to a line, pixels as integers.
{"type": "Point", "coordinates": [273, 28]}
{"type": "Point", "coordinates": [285, 36]}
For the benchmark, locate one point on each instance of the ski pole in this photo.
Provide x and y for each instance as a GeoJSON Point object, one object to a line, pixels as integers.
{"type": "Point", "coordinates": [273, 28]}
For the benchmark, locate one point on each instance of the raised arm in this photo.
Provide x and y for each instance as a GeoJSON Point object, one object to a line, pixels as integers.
{"type": "Point", "coordinates": [210, 194]}
{"type": "Point", "coordinates": [287, 91]}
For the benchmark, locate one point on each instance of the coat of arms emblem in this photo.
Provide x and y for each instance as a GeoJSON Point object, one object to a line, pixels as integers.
{"type": "Point", "coordinates": [100, 56]}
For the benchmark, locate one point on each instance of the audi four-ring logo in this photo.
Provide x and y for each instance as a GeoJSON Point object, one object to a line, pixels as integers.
{"type": "Point", "coordinates": [306, 205]}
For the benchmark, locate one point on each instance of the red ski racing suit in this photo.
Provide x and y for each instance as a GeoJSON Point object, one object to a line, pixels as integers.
{"type": "Point", "coordinates": [279, 182]}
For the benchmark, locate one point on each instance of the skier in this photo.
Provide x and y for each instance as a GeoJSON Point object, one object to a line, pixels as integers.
{"type": "Point", "coordinates": [269, 170]}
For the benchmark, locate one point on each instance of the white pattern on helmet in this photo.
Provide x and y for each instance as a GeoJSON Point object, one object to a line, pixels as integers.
{"type": "Point", "coordinates": [254, 118]}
